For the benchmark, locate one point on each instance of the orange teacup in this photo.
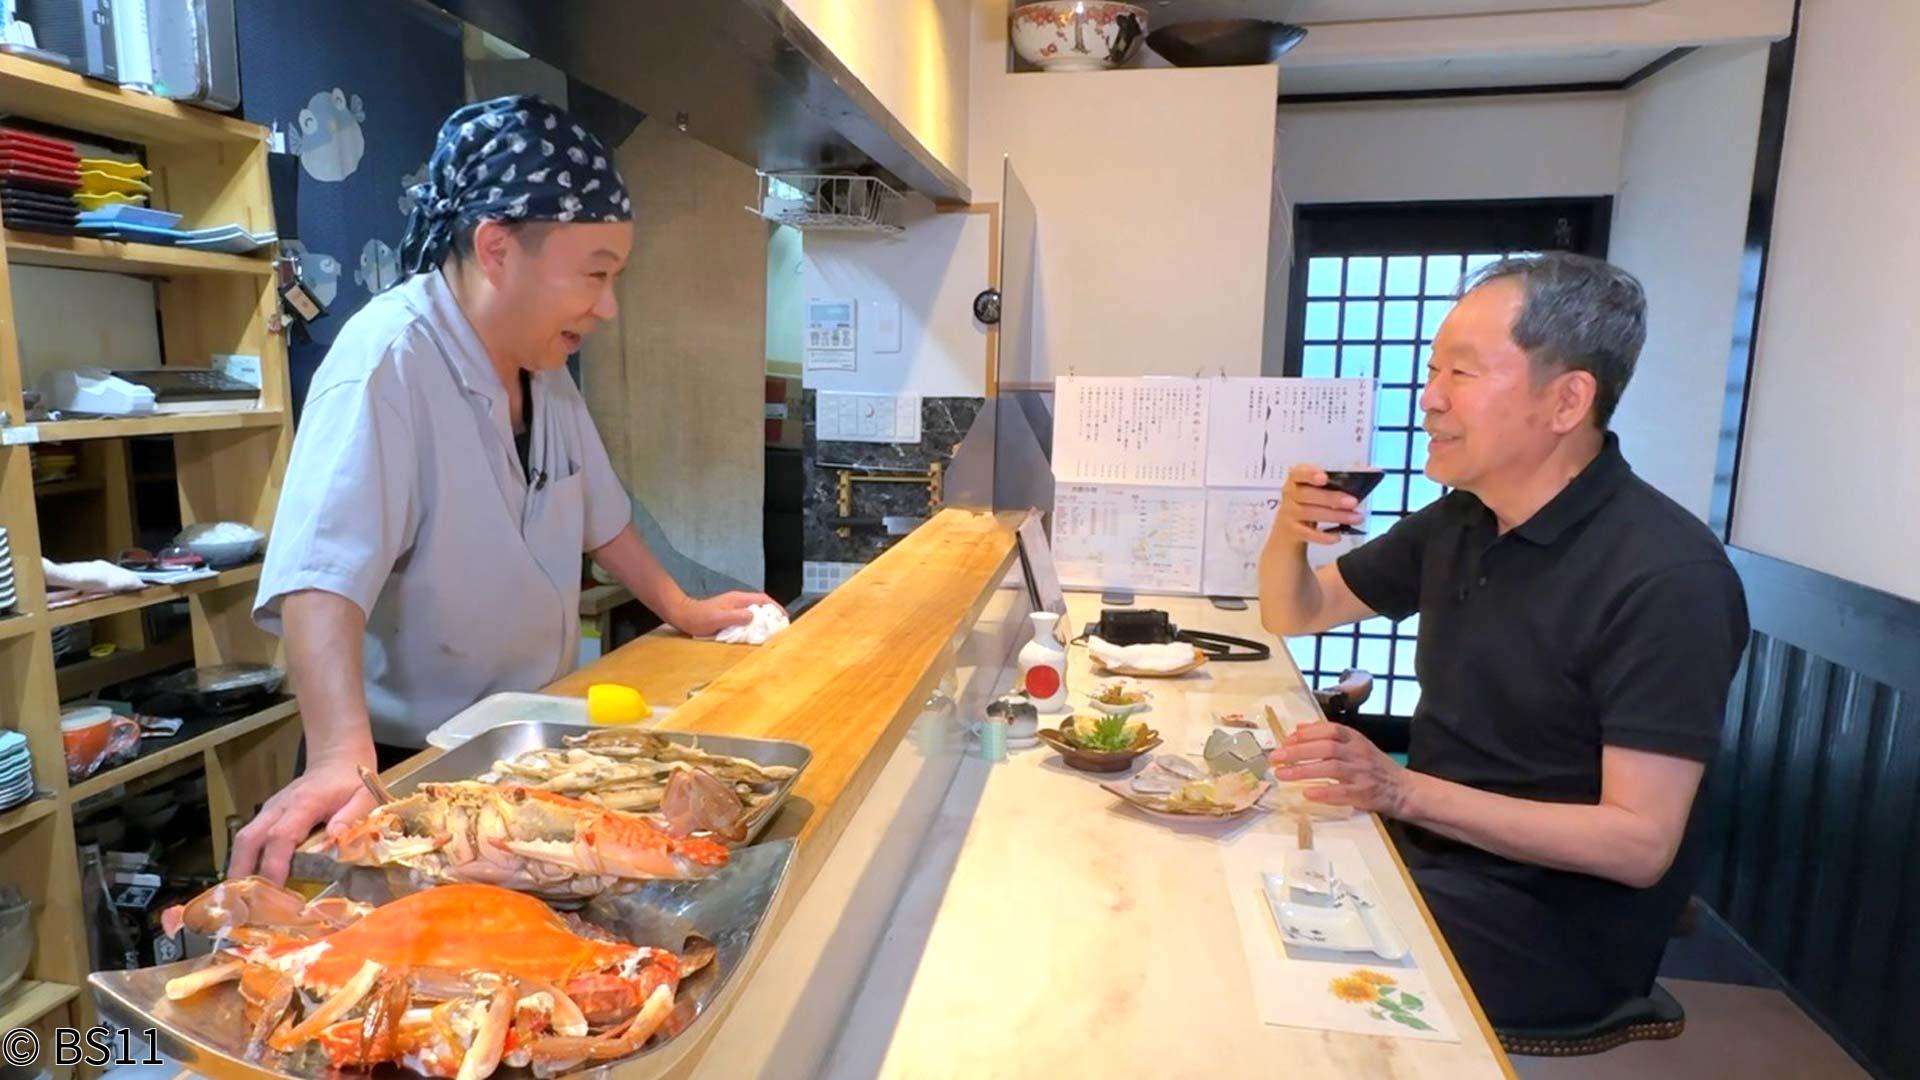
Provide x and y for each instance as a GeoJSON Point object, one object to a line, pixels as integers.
{"type": "Point", "coordinates": [90, 734]}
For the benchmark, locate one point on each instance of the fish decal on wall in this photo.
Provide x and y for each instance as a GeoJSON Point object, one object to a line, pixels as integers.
{"type": "Point", "coordinates": [407, 181]}
{"type": "Point", "coordinates": [379, 267]}
{"type": "Point", "coordinates": [328, 136]}
{"type": "Point", "coordinates": [320, 271]}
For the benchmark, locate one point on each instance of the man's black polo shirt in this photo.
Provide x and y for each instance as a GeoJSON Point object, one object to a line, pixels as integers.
{"type": "Point", "coordinates": [1611, 617]}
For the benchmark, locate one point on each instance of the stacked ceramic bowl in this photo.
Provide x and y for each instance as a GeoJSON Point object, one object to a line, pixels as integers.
{"type": "Point", "coordinates": [16, 770]}
{"type": "Point", "coordinates": [9, 593]}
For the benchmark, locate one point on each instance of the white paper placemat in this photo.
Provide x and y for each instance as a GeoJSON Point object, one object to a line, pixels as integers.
{"type": "Point", "coordinates": [1318, 988]}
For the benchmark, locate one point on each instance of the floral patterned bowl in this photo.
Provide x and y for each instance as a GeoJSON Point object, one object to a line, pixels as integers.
{"type": "Point", "coordinates": [1078, 35]}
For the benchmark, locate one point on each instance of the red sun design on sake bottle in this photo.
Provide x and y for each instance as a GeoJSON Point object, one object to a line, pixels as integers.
{"type": "Point", "coordinates": [1043, 665]}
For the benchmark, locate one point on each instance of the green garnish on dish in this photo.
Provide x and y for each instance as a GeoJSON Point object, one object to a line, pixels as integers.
{"type": "Point", "coordinates": [1105, 733]}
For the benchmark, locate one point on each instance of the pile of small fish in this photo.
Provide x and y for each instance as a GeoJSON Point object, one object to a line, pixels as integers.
{"type": "Point", "coordinates": [625, 768]}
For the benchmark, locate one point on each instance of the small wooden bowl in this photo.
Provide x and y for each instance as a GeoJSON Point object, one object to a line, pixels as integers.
{"type": "Point", "coordinates": [1100, 761]}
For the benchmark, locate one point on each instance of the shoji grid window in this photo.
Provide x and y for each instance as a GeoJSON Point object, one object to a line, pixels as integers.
{"type": "Point", "coordinates": [1371, 286]}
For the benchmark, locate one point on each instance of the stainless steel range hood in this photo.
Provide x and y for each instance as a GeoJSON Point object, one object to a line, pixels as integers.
{"type": "Point", "coordinates": [745, 76]}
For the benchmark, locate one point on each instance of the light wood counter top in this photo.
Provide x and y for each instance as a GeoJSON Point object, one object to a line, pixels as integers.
{"type": "Point", "coordinates": [1051, 931]}
{"type": "Point", "coordinates": [845, 679]}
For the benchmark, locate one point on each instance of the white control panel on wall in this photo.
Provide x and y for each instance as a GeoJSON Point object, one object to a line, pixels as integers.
{"type": "Point", "coordinates": [831, 338]}
{"type": "Point", "coordinates": [830, 324]}
{"type": "Point", "coordinates": [885, 418]}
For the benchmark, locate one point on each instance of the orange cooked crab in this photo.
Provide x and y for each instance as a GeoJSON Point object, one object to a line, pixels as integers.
{"type": "Point", "coordinates": [450, 981]}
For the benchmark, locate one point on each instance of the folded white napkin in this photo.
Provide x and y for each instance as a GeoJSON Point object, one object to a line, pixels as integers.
{"type": "Point", "coordinates": [97, 576]}
{"type": "Point", "coordinates": [768, 620]}
{"type": "Point", "coordinates": [1168, 657]}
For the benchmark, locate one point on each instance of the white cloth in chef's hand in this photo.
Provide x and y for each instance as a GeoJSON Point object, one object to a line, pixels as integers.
{"type": "Point", "coordinates": [1170, 656]}
{"type": "Point", "coordinates": [768, 620]}
{"type": "Point", "coordinates": [97, 576]}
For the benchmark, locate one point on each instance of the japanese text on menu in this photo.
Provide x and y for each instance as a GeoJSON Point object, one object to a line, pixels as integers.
{"type": "Point", "coordinates": [1137, 538]}
{"type": "Point", "coordinates": [1263, 427]}
{"type": "Point", "coordinates": [1131, 431]}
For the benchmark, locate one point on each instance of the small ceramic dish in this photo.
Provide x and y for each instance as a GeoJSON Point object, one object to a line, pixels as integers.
{"type": "Point", "coordinates": [1349, 922]}
{"type": "Point", "coordinates": [1156, 788]}
{"type": "Point", "coordinates": [1100, 761]}
{"type": "Point", "coordinates": [1135, 699]}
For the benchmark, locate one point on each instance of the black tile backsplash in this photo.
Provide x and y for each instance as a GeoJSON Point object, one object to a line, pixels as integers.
{"type": "Point", "coordinates": [944, 422]}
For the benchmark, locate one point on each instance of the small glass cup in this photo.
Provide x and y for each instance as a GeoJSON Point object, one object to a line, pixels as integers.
{"type": "Point", "coordinates": [1358, 483]}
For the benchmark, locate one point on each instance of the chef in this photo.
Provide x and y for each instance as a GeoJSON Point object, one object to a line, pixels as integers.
{"type": "Point", "coordinates": [446, 476]}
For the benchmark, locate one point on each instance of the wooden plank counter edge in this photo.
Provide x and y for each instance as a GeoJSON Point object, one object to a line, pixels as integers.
{"type": "Point", "coordinates": [992, 543]}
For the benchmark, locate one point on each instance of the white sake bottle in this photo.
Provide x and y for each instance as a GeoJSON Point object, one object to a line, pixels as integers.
{"type": "Point", "coordinates": [1043, 665]}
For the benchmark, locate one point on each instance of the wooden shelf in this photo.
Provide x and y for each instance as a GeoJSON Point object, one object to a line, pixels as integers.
{"type": "Point", "coordinates": [227, 466]}
{"type": "Point", "coordinates": [132, 427]}
{"type": "Point", "coordinates": [121, 257]}
{"type": "Point", "coordinates": [89, 676]}
{"type": "Point", "coordinates": [68, 487]}
{"type": "Point", "coordinates": [27, 812]}
{"type": "Point", "coordinates": [30, 1000]}
{"type": "Point", "coordinates": [57, 96]}
{"type": "Point", "coordinates": [158, 594]}
{"type": "Point", "coordinates": [194, 737]}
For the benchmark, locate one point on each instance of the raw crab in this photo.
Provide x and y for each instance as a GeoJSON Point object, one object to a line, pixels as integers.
{"type": "Point", "coordinates": [522, 838]}
{"type": "Point", "coordinates": [450, 982]}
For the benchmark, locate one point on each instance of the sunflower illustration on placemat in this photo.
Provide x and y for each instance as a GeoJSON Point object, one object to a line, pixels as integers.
{"type": "Point", "coordinates": [1385, 999]}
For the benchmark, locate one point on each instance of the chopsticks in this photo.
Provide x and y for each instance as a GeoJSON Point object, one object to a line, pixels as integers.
{"type": "Point", "coordinates": [1302, 825]}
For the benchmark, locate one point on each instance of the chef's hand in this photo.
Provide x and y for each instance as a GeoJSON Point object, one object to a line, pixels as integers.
{"type": "Point", "coordinates": [1367, 778]}
{"type": "Point", "coordinates": [329, 792]}
{"type": "Point", "coordinates": [705, 618]}
{"type": "Point", "coordinates": [1306, 504]}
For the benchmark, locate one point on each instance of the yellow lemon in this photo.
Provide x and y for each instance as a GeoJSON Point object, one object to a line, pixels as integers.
{"type": "Point", "coordinates": [611, 703]}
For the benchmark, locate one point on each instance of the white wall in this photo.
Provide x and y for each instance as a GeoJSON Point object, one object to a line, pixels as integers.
{"type": "Point", "coordinates": [911, 54]}
{"type": "Point", "coordinates": [1152, 190]}
{"type": "Point", "coordinates": [1517, 147]}
{"type": "Point", "coordinates": [1830, 476]}
{"type": "Point", "coordinates": [933, 271]}
{"type": "Point", "coordinates": [1660, 24]}
{"type": "Point", "coordinates": [1679, 224]}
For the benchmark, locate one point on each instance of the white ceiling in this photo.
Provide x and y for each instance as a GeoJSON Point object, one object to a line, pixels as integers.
{"type": "Point", "coordinates": [1309, 12]}
{"type": "Point", "coordinates": [1592, 65]}
{"type": "Point", "coordinates": [1465, 74]}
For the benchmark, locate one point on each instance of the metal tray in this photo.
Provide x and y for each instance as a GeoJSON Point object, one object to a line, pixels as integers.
{"type": "Point", "coordinates": [207, 1033]}
{"type": "Point", "coordinates": [478, 754]}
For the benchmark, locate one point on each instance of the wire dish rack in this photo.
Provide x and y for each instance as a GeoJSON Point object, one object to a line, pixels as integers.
{"type": "Point", "coordinates": [822, 202]}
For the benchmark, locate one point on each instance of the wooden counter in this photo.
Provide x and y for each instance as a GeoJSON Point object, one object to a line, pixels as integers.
{"type": "Point", "coordinates": [845, 679]}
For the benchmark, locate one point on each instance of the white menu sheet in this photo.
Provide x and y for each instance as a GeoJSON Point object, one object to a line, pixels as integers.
{"type": "Point", "coordinates": [1130, 431]}
{"type": "Point", "coordinates": [1142, 538]}
{"type": "Point", "coordinates": [1238, 524]}
{"type": "Point", "coordinates": [1259, 428]}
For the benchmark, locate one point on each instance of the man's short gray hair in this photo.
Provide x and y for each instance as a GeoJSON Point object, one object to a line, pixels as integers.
{"type": "Point", "coordinates": [1579, 314]}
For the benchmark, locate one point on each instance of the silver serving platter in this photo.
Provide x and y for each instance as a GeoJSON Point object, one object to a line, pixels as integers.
{"type": "Point", "coordinates": [207, 1033]}
{"type": "Point", "coordinates": [478, 755]}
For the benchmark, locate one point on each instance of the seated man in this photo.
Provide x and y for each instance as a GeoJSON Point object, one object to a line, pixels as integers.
{"type": "Point", "coordinates": [1578, 635]}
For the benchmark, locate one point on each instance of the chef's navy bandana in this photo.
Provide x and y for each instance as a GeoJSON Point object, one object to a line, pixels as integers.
{"type": "Point", "coordinates": [513, 158]}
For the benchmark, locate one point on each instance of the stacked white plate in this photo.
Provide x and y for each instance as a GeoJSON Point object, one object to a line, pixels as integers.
{"type": "Point", "coordinates": [9, 595]}
{"type": "Point", "coordinates": [16, 770]}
